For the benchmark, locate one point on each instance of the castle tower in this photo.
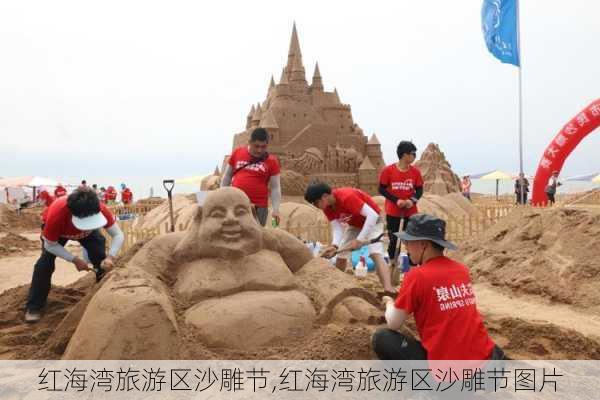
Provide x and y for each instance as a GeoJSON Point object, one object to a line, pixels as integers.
{"type": "Point", "coordinates": [249, 117]}
{"type": "Point", "coordinates": [270, 124]}
{"type": "Point", "coordinates": [368, 178]}
{"type": "Point", "coordinates": [317, 81]}
{"type": "Point", "coordinates": [256, 117]}
{"type": "Point", "coordinates": [373, 151]}
{"type": "Point", "coordinates": [295, 68]}
{"type": "Point", "coordinates": [283, 88]}
{"type": "Point", "coordinates": [271, 87]}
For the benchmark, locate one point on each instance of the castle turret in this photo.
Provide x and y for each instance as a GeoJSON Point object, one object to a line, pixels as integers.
{"type": "Point", "coordinates": [249, 117]}
{"type": "Point", "coordinates": [368, 177]}
{"type": "Point", "coordinates": [373, 151]}
{"type": "Point", "coordinates": [317, 81]}
{"type": "Point", "coordinates": [256, 117]}
{"type": "Point", "coordinates": [269, 122]}
{"type": "Point", "coordinates": [337, 96]}
{"type": "Point", "coordinates": [283, 88]}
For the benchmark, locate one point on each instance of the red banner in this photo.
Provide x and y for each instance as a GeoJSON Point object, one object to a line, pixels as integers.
{"type": "Point", "coordinates": [561, 147]}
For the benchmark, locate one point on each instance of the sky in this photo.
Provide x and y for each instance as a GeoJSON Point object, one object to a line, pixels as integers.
{"type": "Point", "coordinates": [152, 90]}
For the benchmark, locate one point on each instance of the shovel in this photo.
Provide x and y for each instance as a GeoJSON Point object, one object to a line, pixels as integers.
{"type": "Point", "coordinates": [168, 184]}
{"type": "Point", "coordinates": [346, 248]}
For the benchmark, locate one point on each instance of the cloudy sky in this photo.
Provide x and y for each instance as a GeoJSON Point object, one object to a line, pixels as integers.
{"type": "Point", "coordinates": [140, 89]}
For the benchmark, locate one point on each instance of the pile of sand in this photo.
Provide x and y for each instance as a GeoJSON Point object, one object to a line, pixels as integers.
{"type": "Point", "coordinates": [13, 243]}
{"type": "Point", "coordinates": [297, 214]}
{"type": "Point", "coordinates": [437, 173]}
{"type": "Point", "coordinates": [553, 253]}
{"type": "Point", "coordinates": [450, 205]}
{"type": "Point", "coordinates": [184, 208]}
{"type": "Point", "coordinates": [28, 220]}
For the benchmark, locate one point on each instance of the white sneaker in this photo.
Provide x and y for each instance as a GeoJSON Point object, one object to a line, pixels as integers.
{"type": "Point", "coordinates": [32, 316]}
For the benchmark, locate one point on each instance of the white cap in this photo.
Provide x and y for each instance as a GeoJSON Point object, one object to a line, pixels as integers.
{"type": "Point", "coordinates": [95, 221]}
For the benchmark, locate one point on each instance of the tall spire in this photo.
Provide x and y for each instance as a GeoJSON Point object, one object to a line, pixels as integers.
{"type": "Point", "coordinates": [317, 81]}
{"type": "Point", "coordinates": [294, 48]}
{"type": "Point", "coordinates": [337, 96]}
{"type": "Point", "coordinates": [272, 83]}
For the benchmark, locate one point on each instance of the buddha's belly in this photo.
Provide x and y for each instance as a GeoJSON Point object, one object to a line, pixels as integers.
{"type": "Point", "coordinates": [252, 318]}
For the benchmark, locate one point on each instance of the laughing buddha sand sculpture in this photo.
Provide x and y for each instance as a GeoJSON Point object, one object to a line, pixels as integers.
{"type": "Point", "coordinates": [234, 283]}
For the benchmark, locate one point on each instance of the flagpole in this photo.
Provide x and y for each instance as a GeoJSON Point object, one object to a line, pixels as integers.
{"type": "Point", "coordinates": [521, 183]}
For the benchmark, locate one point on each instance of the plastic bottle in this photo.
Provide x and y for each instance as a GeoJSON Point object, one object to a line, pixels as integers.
{"type": "Point", "coordinates": [360, 271]}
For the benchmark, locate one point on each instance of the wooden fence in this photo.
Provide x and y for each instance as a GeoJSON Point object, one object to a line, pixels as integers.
{"type": "Point", "coordinates": [132, 236]}
{"type": "Point", "coordinates": [458, 229]}
{"type": "Point", "coordinates": [136, 209]}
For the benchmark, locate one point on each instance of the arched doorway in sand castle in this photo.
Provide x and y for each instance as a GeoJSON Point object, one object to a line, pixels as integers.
{"type": "Point", "coordinates": [561, 147]}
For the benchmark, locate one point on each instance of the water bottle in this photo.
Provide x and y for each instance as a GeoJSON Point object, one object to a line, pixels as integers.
{"type": "Point", "coordinates": [360, 271]}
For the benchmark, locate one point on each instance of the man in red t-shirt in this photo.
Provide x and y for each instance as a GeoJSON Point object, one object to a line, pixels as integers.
{"type": "Point", "coordinates": [256, 172]}
{"type": "Point", "coordinates": [126, 195]}
{"type": "Point", "coordinates": [355, 220]}
{"type": "Point", "coordinates": [60, 191]}
{"type": "Point", "coordinates": [76, 217]}
{"type": "Point", "coordinates": [440, 294]}
{"type": "Point", "coordinates": [402, 186]}
{"type": "Point", "coordinates": [47, 199]}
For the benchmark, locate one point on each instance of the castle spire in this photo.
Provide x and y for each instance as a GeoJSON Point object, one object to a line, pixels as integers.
{"type": "Point", "coordinates": [317, 82]}
{"type": "Point", "coordinates": [337, 96]}
{"type": "Point", "coordinates": [272, 83]}
{"type": "Point", "coordinates": [294, 48]}
{"type": "Point", "coordinates": [283, 80]}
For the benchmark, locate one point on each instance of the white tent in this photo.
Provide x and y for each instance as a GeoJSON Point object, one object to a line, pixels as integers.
{"type": "Point", "coordinates": [14, 188]}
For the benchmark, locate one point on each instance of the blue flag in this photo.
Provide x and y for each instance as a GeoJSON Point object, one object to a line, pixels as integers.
{"type": "Point", "coordinates": [499, 24]}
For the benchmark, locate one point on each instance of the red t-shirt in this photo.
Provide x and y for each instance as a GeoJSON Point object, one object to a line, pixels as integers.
{"type": "Point", "coordinates": [126, 196]}
{"type": "Point", "coordinates": [59, 224]}
{"type": "Point", "coordinates": [348, 203]}
{"type": "Point", "coordinates": [401, 184]}
{"type": "Point", "coordinates": [48, 200]}
{"type": "Point", "coordinates": [440, 295]}
{"type": "Point", "coordinates": [110, 194]}
{"type": "Point", "coordinates": [60, 191]}
{"type": "Point", "coordinates": [253, 179]}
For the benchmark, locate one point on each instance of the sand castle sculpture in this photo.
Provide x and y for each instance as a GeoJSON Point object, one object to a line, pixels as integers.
{"type": "Point", "coordinates": [226, 282]}
{"type": "Point", "coordinates": [437, 172]}
{"type": "Point", "coordinates": [313, 132]}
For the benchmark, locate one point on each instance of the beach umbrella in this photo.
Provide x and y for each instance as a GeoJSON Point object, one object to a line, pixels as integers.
{"type": "Point", "coordinates": [496, 175]}
{"type": "Point", "coordinates": [582, 178]}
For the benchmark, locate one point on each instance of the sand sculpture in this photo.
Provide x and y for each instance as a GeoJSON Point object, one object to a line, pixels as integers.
{"type": "Point", "coordinates": [313, 132]}
{"type": "Point", "coordinates": [437, 173]}
{"type": "Point", "coordinates": [228, 281]}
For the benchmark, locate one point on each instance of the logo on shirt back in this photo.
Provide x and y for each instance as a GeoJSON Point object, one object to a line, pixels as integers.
{"type": "Point", "coordinates": [258, 167]}
{"type": "Point", "coordinates": [455, 296]}
{"type": "Point", "coordinates": [406, 185]}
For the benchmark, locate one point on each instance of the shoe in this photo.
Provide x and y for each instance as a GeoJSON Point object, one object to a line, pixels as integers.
{"type": "Point", "coordinates": [100, 272]}
{"type": "Point", "coordinates": [32, 316]}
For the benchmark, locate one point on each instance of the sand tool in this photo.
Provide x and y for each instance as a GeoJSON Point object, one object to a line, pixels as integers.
{"type": "Point", "coordinates": [346, 248]}
{"type": "Point", "coordinates": [168, 184]}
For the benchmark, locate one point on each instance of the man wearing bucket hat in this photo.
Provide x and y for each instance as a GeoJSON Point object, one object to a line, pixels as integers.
{"type": "Point", "coordinates": [440, 294]}
{"type": "Point", "coordinates": [76, 217]}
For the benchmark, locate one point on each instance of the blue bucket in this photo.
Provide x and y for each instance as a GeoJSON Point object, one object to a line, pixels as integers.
{"type": "Point", "coordinates": [404, 262]}
{"type": "Point", "coordinates": [363, 251]}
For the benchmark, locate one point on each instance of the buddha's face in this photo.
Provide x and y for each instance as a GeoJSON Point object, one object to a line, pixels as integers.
{"type": "Point", "coordinates": [228, 227]}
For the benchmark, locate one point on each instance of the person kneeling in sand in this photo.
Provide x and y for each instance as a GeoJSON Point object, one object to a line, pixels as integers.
{"type": "Point", "coordinates": [76, 217]}
{"type": "Point", "coordinates": [440, 295]}
{"type": "Point", "coordinates": [355, 219]}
